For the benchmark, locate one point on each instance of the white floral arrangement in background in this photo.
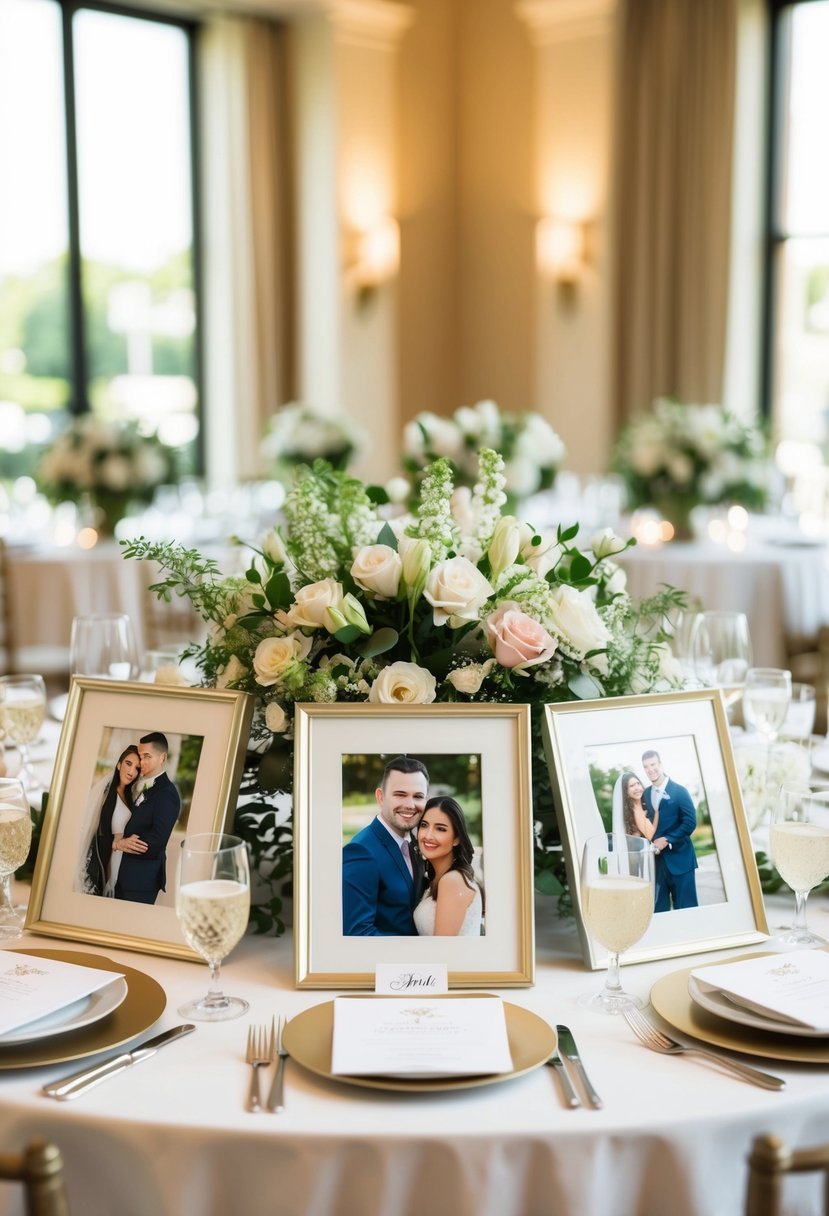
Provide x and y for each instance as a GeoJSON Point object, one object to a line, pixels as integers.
{"type": "Point", "coordinates": [298, 434]}
{"type": "Point", "coordinates": [762, 771]}
{"type": "Point", "coordinates": [104, 460]}
{"type": "Point", "coordinates": [532, 450]}
{"type": "Point", "coordinates": [692, 455]}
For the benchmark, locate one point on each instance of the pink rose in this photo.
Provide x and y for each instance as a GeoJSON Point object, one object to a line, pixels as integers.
{"type": "Point", "coordinates": [516, 639]}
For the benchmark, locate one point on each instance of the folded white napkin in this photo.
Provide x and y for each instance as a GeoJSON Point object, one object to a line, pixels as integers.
{"type": "Point", "coordinates": [792, 988]}
{"type": "Point", "coordinates": [32, 987]}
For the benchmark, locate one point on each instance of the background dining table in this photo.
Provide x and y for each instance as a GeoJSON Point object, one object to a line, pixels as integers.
{"type": "Point", "coordinates": [172, 1137]}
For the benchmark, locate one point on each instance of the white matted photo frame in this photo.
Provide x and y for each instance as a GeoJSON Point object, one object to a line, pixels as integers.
{"type": "Point", "coordinates": [710, 898]}
{"type": "Point", "coordinates": [194, 740]}
{"type": "Point", "coordinates": [354, 903]}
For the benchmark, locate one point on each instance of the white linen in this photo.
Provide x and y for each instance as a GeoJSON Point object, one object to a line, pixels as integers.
{"type": "Point", "coordinates": [673, 1136]}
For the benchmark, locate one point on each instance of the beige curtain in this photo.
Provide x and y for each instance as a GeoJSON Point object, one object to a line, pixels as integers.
{"type": "Point", "coordinates": [674, 138]}
{"type": "Point", "coordinates": [245, 189]}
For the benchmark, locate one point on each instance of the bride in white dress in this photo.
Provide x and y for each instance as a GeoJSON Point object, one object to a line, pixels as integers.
{"type": "Point", "coordinates": [453, 904]}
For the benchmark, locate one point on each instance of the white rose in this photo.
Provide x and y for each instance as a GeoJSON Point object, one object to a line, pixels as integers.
{"type": "Point", "coordinates": [489, 423]}
{"type": "Point", "coordinates": [235, 670]}
{"type": "Point", "coordinates": [470, 678]}
{"type": "Point", "coordinates": [274, 656]}
{"type": "Point", "coordinates": [275, 717]}
{"type": "Point", "coordinates": [544, 556]}
{"type": "Point", "coordinates": [605, 543]}
{"type": "Point", "coordinates": [398, 489]}
{"type": "Point", "coordinates": [403, 684]}
{"type": "Point", "coordinates": [457, 591]}
{"type": "Point", "coordinates": [273, 547]}
{"type": "Point", "coordinates": [377, 568]}
{"type": "Point", "coordinates": [522, 476]}
{"type": "Point", "coordinates": [311, 604]}
{"type": "Point", "coordinates": [540, 443]}
{"type": "Point", "coordinates": [505, 544]}
{"type": "Point", "coordinates": [170, 677]}
{"type": "Point", "coordinates": [579, 624]}
{"type": "Point", "coordinates": [614, 578]}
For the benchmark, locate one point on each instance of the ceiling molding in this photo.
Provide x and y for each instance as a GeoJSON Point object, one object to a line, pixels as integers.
{"type": "Point", "coordinates": [552, 21]}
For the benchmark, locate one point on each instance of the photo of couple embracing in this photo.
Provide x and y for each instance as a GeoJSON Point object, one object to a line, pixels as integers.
{"type": "Point", "coordinates": [414, 868]}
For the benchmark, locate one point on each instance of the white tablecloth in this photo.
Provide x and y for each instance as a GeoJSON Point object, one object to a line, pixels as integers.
{"type": "Point", "coordinates": [171, 1137]}
{"type": "Point", "coordinates": [783, 591]}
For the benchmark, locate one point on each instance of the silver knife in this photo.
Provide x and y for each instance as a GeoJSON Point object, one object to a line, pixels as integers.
{"type": "Point", "coordinates": [570, 1096]}
{"type": "Point", "coordinates": [568, 1046]}
{"type": "Point", "coordinates": [80, 1082]}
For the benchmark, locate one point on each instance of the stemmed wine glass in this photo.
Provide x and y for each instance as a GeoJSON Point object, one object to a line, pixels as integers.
{"type": "Point", "coordinates": [212, 905]}
{"type": "Point", "coordinates": [617, 889]}
{"type": "Point", "coordinates": [684, 627]}
{"type": "Point", "coordinates": [103, 645]}
{"type": "Point", "coordinates": [799, 848]}
{"type": "Point", "coordinates": [23, 708]}
{"type": "Point", "coordinates": [722, 652]}
{"type": "Point", "coordinates": [15, 841]}
{"type": "Point", "coordinates": [767, 695]}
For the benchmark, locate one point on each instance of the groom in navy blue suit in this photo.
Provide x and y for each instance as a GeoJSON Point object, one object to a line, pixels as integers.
{"type": "Point", "coordinates": [143, 870]}
{"type": "Point", "coordinates": [676, 883]}
{"type": "Point", "coordinates": [382, 877]}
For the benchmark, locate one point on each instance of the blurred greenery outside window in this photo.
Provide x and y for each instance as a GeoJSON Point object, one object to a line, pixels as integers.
{"type": "Point", "coordinates": [98, 282]}
{"type": "Point", "coordinates": [798, 346]}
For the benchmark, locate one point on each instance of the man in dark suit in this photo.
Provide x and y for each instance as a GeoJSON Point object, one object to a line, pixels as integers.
{"type": "Point", "coordinates": [676, 883]}
{"type": "Point", "coordinates": [382, 878]}
{"type": "Point", "coordinates": [143, 872]}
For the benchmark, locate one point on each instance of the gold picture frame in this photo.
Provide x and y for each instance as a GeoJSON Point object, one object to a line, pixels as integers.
{"type": "Point", "coordinates": [345, 747]}
{"type": "Point", "coordinates": [207, 731]}
{"type": "Point", "coordinates": [590, 744]}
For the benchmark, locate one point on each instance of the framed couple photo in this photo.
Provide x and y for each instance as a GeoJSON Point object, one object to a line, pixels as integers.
{"type": "Point", "coordinates": [389, 800]}
{"type": "Point", "coordinates": [660, 766]}
{"type": "Point", "coordinates": [139, 767]}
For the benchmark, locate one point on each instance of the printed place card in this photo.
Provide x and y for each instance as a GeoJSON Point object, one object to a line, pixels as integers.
{"type": "Point", "coordinates": [792, 987]}
{"type": "Point", "coordinates": [420, 1037]}
{"type": "Point", "coordinates": [399, 979]}
{"type": "Point", "coordinates": [32, 987]}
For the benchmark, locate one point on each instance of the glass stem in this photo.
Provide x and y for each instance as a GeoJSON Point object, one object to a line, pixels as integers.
{"type": "Point", "coordinates": [612, 982]}
{"type": "Point", "coordinates": [800, 898]}
{"type": "Point", "coordinates": [215, 997]}
{"type": "Point", "coordinates": [6, 904]}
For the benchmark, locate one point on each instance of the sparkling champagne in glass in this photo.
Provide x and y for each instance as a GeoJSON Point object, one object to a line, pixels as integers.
{"type": "Point", "coordinates": [617, 891]}
{"type": "Point", "coordinates": [15, 841]}
{"type": "Point", "coordinates": [212, 905]}
{"type": "Point", "coordinates": [722, 652]}
{"type": "Point", "coordinates": [23, 709]}
{"type": "Point", "coordinates": [799, 847]}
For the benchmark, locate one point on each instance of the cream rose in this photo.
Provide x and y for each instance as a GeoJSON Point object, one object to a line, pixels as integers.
{"type": "Point", "coordinates": [505, 544]}
{"type": "Point", "coordinates": [311, 604]}
{"type": "Point", "coordinates": [171, 676]}
{"type": "Point", "coordinates": [579, 624]}
{"type": "Point", "coordinates": [517, 640]}
{"type": "Point", "coordinates": [403, 684]}
{"type": "Point", "coordinates": [470, 678]}
{"type": "Point", "coordinates": [275, 717]}
{"type": "Point", "coordinates": [235, 670]}
{"type": "Point", "coordinates": [377, 568]}
{"type": "Point", "coordinates": [457, 591]}
{"type": "Point", "coordinates": [606, 543]}
{"type": "Point", "coordinates": [273, 656]}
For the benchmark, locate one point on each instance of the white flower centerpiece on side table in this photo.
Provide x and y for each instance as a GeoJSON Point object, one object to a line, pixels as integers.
{"type": "Point", "coordinates": [454, 602]}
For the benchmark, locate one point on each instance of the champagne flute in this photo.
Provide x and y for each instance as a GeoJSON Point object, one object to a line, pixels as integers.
{"type": "Point", "coordinates": [722, 652]}
{"type": "Point", "coordinates": [212, 905]}
{"type": "Point", "coordinates": [23, 708]}
{"type": "Point", "coordinates": [15, 842]}
{"type": "Point", "coordinates": [799, 848]}
{"type": "Point", "coordinates": [617, 889]}
{"type": "Point", "coordinates": [683, 630]}
{"type": "Point", "coordinates": [767, 694]}
{"type": "Point", "coordinates": [103, 645]}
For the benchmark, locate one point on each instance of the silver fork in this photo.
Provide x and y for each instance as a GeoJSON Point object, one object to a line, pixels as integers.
{"type": "Point", "coordinates": [260, 1051]}
{"type": "Point", "coordinates": [275, 1097]}
{"type": "Point", "coordinates": [657, 1041]}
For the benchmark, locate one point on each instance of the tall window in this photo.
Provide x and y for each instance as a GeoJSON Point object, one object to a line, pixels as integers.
{"type": "Point", "coordinates": [97, 253]}
{"type": "Point", "coordinates": [798, 350]}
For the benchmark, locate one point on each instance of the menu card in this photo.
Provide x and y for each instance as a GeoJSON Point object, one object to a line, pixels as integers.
{"type": "Point", "coordinates": [417, 1036]}
{"type": "Point", "coordinates": [32, 987]}
{"type": "Point", "coordinates": [792, 988]}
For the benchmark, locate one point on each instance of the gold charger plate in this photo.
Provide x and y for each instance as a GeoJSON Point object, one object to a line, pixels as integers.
{"type": "Point", "coordinates": [144, 1003]}
{"type": "Point", "coordinates": [308, 1040]}
{"type": "Point", "coordinates": [672, 1001]}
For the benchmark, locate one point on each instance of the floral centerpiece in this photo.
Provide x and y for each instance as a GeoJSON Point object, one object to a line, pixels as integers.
{"type": "Point", "coordinates": [532, 451]}
{"type": "Point", "coordinates": [455, 602]}
{"type": "Point", "coordinates": [113, 465]}
{"type": "Point", "coordinates": [298, 434]}
{"type": "Point", "coordinates": [677, 457]}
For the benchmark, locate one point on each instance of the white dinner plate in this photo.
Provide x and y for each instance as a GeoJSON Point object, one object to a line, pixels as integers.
{"type": "Point", "coordinates": [84, 1012]}
{"type": "Point", "coordinates": [718, 1003]}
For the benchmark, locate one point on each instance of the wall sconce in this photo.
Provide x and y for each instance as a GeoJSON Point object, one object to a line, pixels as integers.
{"type": "Point", "coordinates": [560, 253]}
{"type": "Point", "coordinates": [375, 258]}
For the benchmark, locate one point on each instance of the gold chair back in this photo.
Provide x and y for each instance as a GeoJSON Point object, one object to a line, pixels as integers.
{"type": "Point", "coordinates": [40, 1168]}
{"type": "Point", "coordinates": [770, 1163]}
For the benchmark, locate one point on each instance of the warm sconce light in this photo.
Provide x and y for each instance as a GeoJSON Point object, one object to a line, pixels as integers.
{"type": "Point", "coordinates": [375, 258]}
{"type": "Point", "coordinates": [560, 250]}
